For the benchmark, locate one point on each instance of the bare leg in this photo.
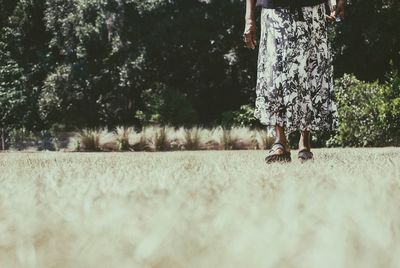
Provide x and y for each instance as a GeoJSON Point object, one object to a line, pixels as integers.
{"type": "Point", "coordinates": [304, 142]}
{"type": "Point", "coordinates": [281, 138]}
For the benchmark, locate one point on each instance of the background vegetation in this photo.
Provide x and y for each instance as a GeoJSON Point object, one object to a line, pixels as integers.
{"type": "Point", "coordinates": [68, 65]}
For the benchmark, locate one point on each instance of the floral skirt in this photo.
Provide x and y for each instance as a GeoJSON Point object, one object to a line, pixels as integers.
{"type": "Point", "coordinates": [295, 72]}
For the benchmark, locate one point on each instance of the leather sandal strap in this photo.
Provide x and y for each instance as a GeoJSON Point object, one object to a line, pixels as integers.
{"type": "Point", "coordinates": [274, 157]}
{"type": "Point", "coordinates": [277, 146]}
{"type": "Point", "coordinates": [305, 154]}
{"type": "Point", "coordinates": [305, 150]}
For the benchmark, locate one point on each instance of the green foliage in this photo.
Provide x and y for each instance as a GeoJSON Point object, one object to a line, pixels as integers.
{"type": "Point", "coordinates": [243, 117]}
{"type": "Point", "coordinates": [23, 63]}
{"type": "Point", "coordinates": [78, 147]}
{"type": "Point", "coordinates": [92, 82]}
{"type": "Point", "coordinates": [368, 112]}
{"type": "Point", "coordinates": [96, 63]}
{"type": "Point", "coordinates": [12, 95]}
{"type": "Point", "coordinates": [21, 139]}
{"type": "Point", "coordinates": [368, 40]}
{"type": "Point", "coordinates": [24, 139]}
{"type": "Point", "coordinates": [166, 106]}
{"type": "Point", "coordinates": [391, 107]}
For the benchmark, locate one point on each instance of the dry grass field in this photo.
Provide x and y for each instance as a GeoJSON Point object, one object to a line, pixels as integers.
{"type": "Point", "coordinates": [200, 209]}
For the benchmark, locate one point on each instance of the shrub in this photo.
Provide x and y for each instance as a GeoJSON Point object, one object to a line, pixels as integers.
{"type": "Point", "coordinates": [166, 106]}
{"type": "Point", "coordinates": [391, 107]}
{"type": "Point", "coordinates": [23, 139]}
{"type": "Point", "coordinates": [368, 112]}
{"type": "Point", "coordinates": [243, 117]}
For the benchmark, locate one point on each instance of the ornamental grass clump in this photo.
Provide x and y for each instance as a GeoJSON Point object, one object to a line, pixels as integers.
{"type": "Point", "coordinates": [88, 140]}
{"type": "Point", "coordinates": [243, 138]}
{"type": "Point", "coordinates": [141, 141]}
{"type": "Point", "coordinates": [212, 139]}
{"type": "Point", "coordinates": [122, 138]}
{"type": "Point", "coordinates": [237, 138]}
{"type": "Point", "coordinates": [192, 138]}
{"type": "Point", "coordinates": [161, 139]}
{"type": "Point", "coordinates": [93, 140]}
{"type": "Point", "coordinates": [168, 138]}
{"type": "Point", "coordinates": [264, 140]}
{"type": "Point", "coordinates": [226, 138]}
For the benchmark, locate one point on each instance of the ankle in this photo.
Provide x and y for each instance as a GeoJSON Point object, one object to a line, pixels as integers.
{"type": "Point", "coordinates": [304, 146]}
{"type": "Point", "coordinates": [284, 142]}
{"type": "Point", "coordinates": [280, 140]}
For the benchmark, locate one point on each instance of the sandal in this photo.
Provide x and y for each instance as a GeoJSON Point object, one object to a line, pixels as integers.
{"type": "Point", "coordinates": [273, 157]}
{"type": "Point", "coordinates": [305, 155]}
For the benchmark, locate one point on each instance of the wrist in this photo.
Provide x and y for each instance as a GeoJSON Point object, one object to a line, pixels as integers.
{"type": "Point", "coordinates": [250, 20]}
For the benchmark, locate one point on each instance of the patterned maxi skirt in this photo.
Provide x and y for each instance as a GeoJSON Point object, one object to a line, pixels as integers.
{"type": "Point", "coordinates": [295, 72]}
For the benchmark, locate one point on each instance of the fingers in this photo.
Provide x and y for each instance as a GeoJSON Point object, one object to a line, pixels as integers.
{"type": "Point", "coordinates": [253, 40]}
{"type": "Point", "coordinates": [250, 39]}
{"type": "Point", "coordinates": [337, 14]}
{"type": "Point", "coordinates": [247, 40]}
{"type": "Point", "coordinates": [338, 11]}
{"type": "Point", "coordinates": [330, 18]}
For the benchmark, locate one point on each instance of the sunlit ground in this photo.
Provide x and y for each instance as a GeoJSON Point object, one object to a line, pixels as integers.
{"type": "Point", "coordinates": [200, 209]}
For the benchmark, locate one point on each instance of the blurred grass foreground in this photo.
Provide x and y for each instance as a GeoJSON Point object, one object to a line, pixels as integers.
{"type": "Point", "coordinates": [200, 209]}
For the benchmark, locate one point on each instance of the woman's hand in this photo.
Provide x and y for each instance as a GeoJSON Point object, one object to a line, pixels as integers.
{"type": "Point", "coordinates": [249, 35]}
{"type": "Point", "coordinates": [337, 11]}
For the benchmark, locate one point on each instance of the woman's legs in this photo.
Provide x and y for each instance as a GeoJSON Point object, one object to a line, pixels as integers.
{"type": "Point", "coordinates": [280, 137]}
{"type": "Point", "coordinates": [304, 142]}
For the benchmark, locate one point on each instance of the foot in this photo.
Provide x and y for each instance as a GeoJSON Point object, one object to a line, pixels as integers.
{"type": "Point", "coordinates": [304, 146]}
{"type": "Point", "coordinates": [305, 154]}
{"type": "Point", "coordinates": [280, 150]}
{"type": "Point", "coordinates": [278, 153]}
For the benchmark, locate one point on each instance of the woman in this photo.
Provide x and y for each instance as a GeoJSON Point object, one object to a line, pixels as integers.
{"type": "Point", "coordinates": [294, 73]}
